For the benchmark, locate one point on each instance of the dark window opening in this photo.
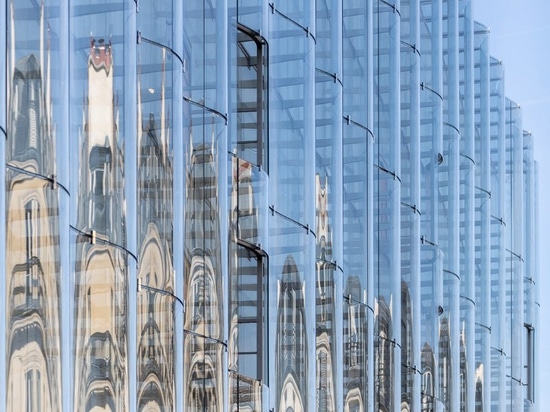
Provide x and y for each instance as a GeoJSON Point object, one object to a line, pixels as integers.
{"type": "Point", "coordinates": [251, 95]}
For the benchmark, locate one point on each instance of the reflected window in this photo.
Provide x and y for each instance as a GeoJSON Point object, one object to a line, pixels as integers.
{"type": "Point", "coordinates": [100, 161]}
{"type": "Point", "coordinates": [31, 246]}
{"type": "Point", "coordinates": [33, 395]}
{"type": "Point", "coordinates": [251, 93]}
{"type": "Point", "coordinates": [530, 357]}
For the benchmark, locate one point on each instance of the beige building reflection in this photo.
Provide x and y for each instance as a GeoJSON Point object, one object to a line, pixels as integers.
{"type": "Point", "coordinates": [100, 272]}
{"type": "Point", "coordinates": [203, 348]}
{"type": "Point", "coordinates": [325, 267]}
{"type": "Point", "coordinates": [32, 239]}
{"type": "Point", "coordinates": [291, 344]}
{"type": "Point", "coordinates": [355, 347]}
{"type": "Point", "coordinates": [155, 302]}
{"type": "Point", "coordinates": [246, 328]}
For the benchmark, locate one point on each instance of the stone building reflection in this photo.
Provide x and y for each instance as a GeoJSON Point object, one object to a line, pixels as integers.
{"type": "Point", "coordinates": [203, 372]}
{"type": "Point", "coordinates": [100, 273]}
{"type": "Point", "coordinates": [383, 355]}
{"type": "Point", "coordinates": [324, 352]}
{"type": "Point", "coordinates": [355, 348]}
{"type": "Point", "coordinates": [32, 263]}
{"type": "Point", "coordinates": [246, 290]}
{"type": "Point", "coordinates": [291, 345]}
{"type": "Point", "coordinates": [155, 303]}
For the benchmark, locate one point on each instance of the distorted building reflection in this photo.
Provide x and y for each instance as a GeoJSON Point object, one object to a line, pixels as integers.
{"type": "Point", "coordinates": [407, 364]}
{"type": "Point", "coordinates": [291, 345]}
{"type": "Point", "coordinates": [155, 302]}
{"type": "Point", "coordinates": [246, 292]}
{"type": "Point", "coordinates": [325, 267]}
{"type": "Point", "coordinates": [355, 348]}
{"type": "Point", "coordinates": [203, 372]}
{"type": "Point", "coordinates": [100, 273]}
{"type": "Point", "coordinates": [383, 356]}
{"type": "Point", "coordinates": [32, 263]}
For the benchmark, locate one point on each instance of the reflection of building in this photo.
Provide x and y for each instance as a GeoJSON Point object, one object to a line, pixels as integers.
{"type": "Point", "coordinates": [291, 341]}
{"type": "Point", "coordinates": [203, 321]}
{"type": "Point", "coordinates": [155, 297]}
{"type": "Point", "coordinates": [32, 266]}
{"type": "Point", "coordinates": [100, 373]}
{"type": "Point", "coordinates": [324, 352]}
{"type": "Point", "coordinates": [355, 348]}
{"type": "Point", "coordinates": [256, 208]}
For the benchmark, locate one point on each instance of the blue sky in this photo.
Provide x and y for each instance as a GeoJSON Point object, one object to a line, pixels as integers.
{"type": "Point", "coordinates": [520, 37]}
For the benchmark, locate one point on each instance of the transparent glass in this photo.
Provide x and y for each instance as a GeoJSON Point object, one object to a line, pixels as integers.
{"type": "Point", "coordinates": [387, 205]}
{"type": "Point", "coordinates": [291, 120]}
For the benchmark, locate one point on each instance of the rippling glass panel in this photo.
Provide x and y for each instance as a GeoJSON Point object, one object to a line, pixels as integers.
{"type": "Point", "coordinates": [356, 174]}
{"type": "Point", "coordinates": [100, 272]}
{"type": "Point", "coordinates": [100, 324]}
{"type": "Point", "coordinates": [203, 322]}
{"type": "Point", "coordinates": [291, 273]}
{"type": "Point", "coordinates": [387, 203]}
{"type": "Point", "coordinates": [156, 300]}
{"type": "Point", "coordinates": [33, 259]}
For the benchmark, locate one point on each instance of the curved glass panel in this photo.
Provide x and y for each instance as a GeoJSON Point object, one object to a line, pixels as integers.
{"type": "Point", "coordinates": [357, 153]}
{"type": "Point", "coordinates": [205, 44]}
{"type": "Point", "coordinates": [203, 321]}
{"type": "Point", "coordinates": [291, 120]}
{"type": "Point", "coordinates": [247, 344]}
{"type": "Point", "coordinates": [100, 315]}
{"type": "Point", "coordinates": [100, 324]}
{"type": "Point", "coordinates": [252, 13]}
{"type": "Point", "coordinates": [292, 288]}
{"type": "Point", "coordinates": [387, 204]}
{"type": "Point", "coordinates": [500, 342]}
{"type": "Point", "coordinates": [328, 196]}
{"type": "Point", "coordinates": [483, 203]}
{"type": "Point", "coordinates": [301, 12]}
{"type": "Point", "coordinates": [431, 310]}
{"type": "Point", "coordinates": [97, 68]}
{"type": "Point", "coordinates": [156, 301]}
{"type": "Point", "coordinates": [249, 98]}
{"type": "Point", "coordinates": [32, 240]}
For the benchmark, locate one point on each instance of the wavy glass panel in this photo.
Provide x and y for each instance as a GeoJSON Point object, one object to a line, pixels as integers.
{"type": "Point", "coordinates": [33, 257]}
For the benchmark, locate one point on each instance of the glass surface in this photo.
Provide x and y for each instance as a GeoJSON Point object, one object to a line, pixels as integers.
{"type": "Point", "coordinates": [292, 287]}
{"type": "Point", "coordinates": [100, 324]}
{"type": "Point", "coordinates": [247, 345]}
{"type": "Point", "coordinates": [249, 114]}
{"type": "Point", "coordinates": [387, 204]}
{"type": "Point", "coordinates": [100, 271]}
{"type": "Point", "coordinates": [328, 231]}
{"type": "Point", "coordinates": [252, 13]}
{"type": "Point", "coordinates": [156, 302]}
{"type": "Point", "coordinates": [32, 256]}
{"type": "Point", "coordinates": [205, 43]}
{"type": "Point", "coordinates": [291, 120]}
{"type": "Point", "coordinates": [203, 321]}
{"type": "Point", "coordinates": [357, 153]}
